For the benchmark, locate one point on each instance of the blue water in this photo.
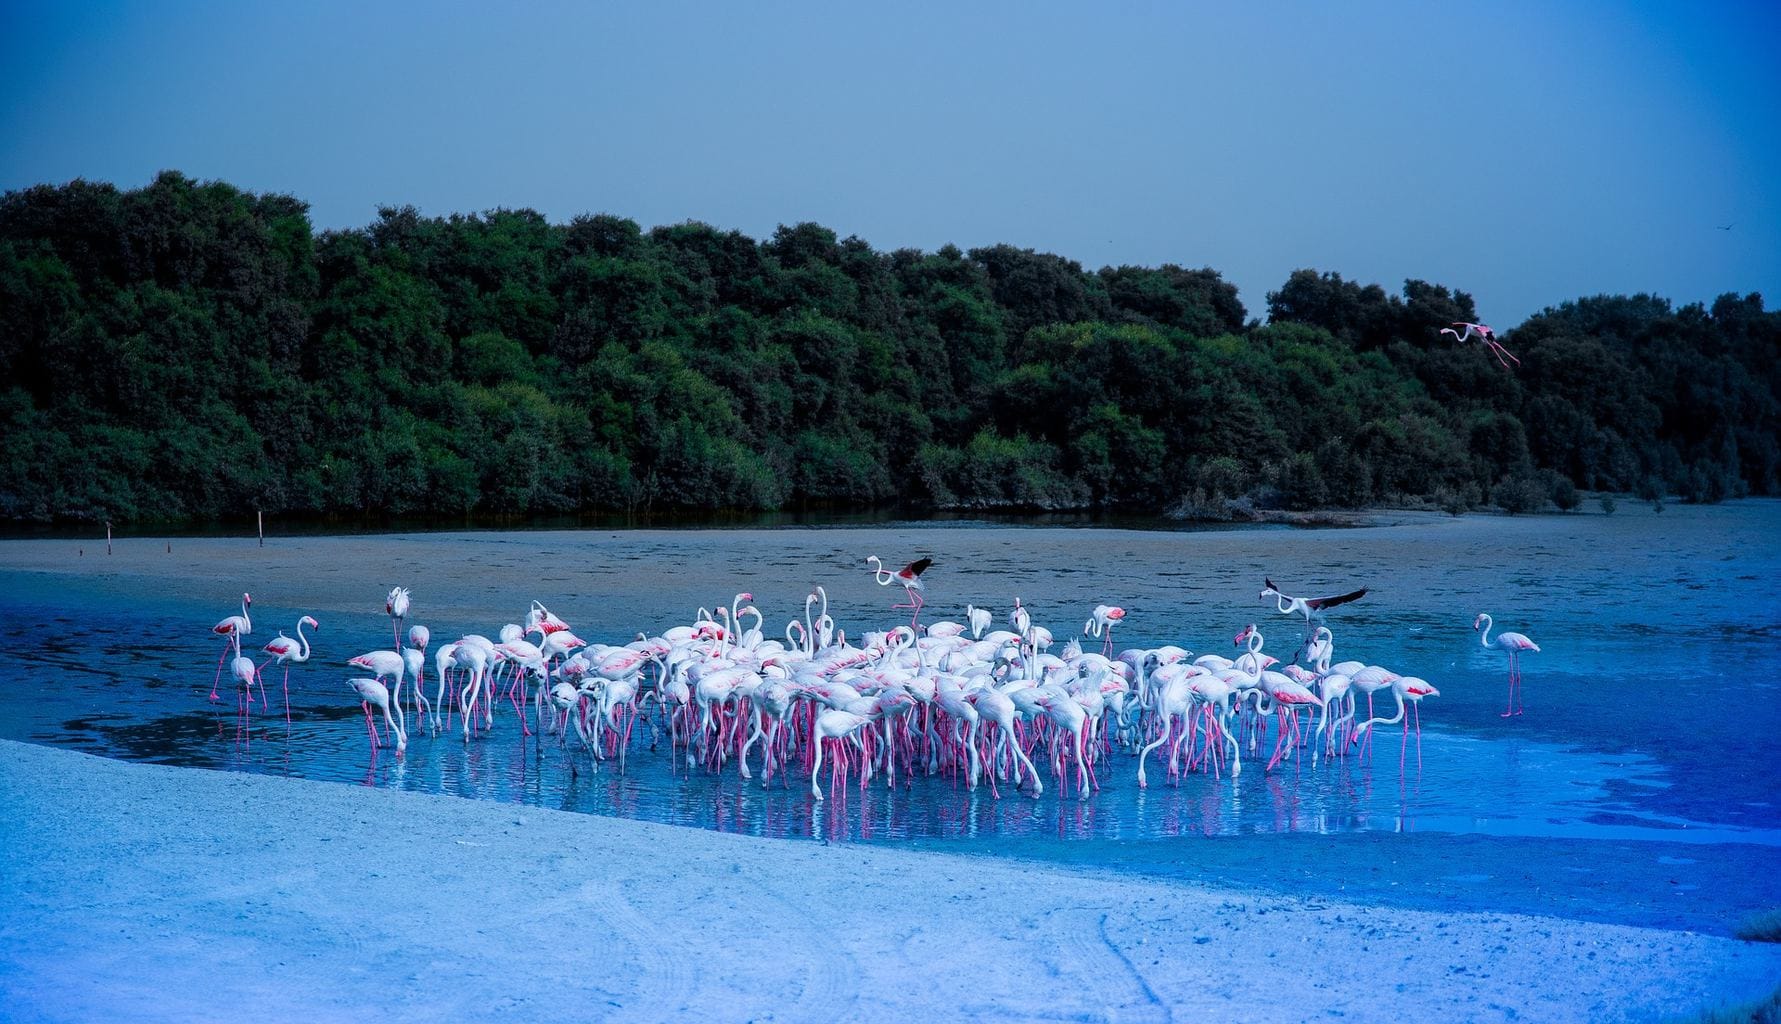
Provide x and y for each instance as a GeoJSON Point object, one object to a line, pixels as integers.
{"type": "Point", "coordinates": [1651, 716]}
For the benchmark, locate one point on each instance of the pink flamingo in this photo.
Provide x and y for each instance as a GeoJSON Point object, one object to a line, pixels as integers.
{"type": "Point", "coordinates": [385, 663]}
{"type": "Point", "coordinates": [1101, 624]}
{"type": "Point", "coordinates": [909, 576]}
{"type": "Point", "coordinates": [284, 650]}
{"type": "Point", "coordinates": [1514, 644]}
{"type": "Point", "coordinates": [1308, 607]}
{"type": "Point", "coordinates": [371, 692]}
{"type": "Point", "coordinates": [1413, 690]}
{"type": "Point", "coordinates": [1484, 334]}
{"type": "Point", "coordinates": [232, 629]}
{"type": "Point", "coordinates": [834, 727]}
{"type": "Point", "coordinates": [396, 605]}
{"type": "Point", "coordinates": [242, 668]}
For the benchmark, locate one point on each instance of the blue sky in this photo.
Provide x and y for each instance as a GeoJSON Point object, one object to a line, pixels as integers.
{"type": "Point", "coordinates": [1527, 153]}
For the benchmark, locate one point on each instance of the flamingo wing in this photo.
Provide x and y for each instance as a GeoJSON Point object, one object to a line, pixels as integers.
{"type": "Point", "coordinates": [917, 567]}
{"type": "Point", "coordinates": [1320, 603]}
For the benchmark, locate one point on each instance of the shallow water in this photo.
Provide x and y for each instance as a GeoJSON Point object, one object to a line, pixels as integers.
{"type": "Point", "coordinates": [1651, 708]}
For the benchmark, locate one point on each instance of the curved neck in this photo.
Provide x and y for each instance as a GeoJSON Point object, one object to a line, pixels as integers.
{"type": "Point", "coordinates": [303, 639]}
{"type": "Point", "coordinates": [1484, 640]}
{"type": "Point", "coordinates": [879, 572]}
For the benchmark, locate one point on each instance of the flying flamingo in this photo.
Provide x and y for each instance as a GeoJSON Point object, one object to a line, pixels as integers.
{"type": "Point", "coordinates": [232, 629]}
{"type": "Point", "coordinates": [284, 650]}
{"type": "Point", "coordinates": [1310, 608]}
{"type": "Point", "coordinates": [909, 576]}
{"type": "Point", "coordinates": [397, 607]}
{"type": "Point", "coordinates": [1101, 623]}
{"type": "Point", "coordinates": [1514, 644]}
{"type": "Point", "coordinates": [371, 692]}
{"type": "Point", "coordinates": [1484, 334]}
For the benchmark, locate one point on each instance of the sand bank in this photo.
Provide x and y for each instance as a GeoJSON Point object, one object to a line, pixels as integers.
{"type": "Point", "coordinates": [142, 892]}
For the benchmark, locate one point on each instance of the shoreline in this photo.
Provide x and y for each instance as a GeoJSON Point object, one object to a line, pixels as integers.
{"type": "Point", "coordinates": [1238, 517]}
{"type": "Point", "coordinates": [312, 900]}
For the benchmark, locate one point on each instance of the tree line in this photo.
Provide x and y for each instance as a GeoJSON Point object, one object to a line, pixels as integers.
{"type": "Point", "coordinates": [189, 351]}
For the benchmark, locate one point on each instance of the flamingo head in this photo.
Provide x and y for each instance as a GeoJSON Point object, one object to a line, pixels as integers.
{"type": "Point", "coordinates": [1268, 589]}
{"type": "Point", "coordinates": [1237, 641]}
{"type": "Point", "coordinates": [312, 623]}
{"type": "Point", "coordinates": [1479, 621]}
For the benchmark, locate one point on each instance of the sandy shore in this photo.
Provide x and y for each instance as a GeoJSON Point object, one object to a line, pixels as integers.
{"type": "Point", "coordinates": [147, 893]}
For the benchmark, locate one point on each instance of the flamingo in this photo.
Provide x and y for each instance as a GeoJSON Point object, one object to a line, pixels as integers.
{"type": "Point", "coordinates": [244, 672]}
{"type": "Point", "coordinates": [832, 726]}
{"type": "Point", "coordinates": [980, 619]}
{"type": "Point", "coordinates": [1405, 688]}
{"type": "Point", "coordinates": [1101, 623]}
{"type": "Point", "coordinates": [1484, 334]}
{"type": "Point", "coordinates": [284, 650]}
{"type": "Point", "coordinates": [1310, 608]}
{"type": "Point", "coordinates": [909, 576]}
{"type": "Point", "coordinates": [1513, 644]}
{"type": "Point", "coordinates": [397, 607]}
{"type": "Point", "coordinates": [469, 654]}
{"type": "Point", "coordinates": [233, 629]}
{"type": "Point", "coordinates": [384, 663]}
{"type": "Point", "coordinates": [371, 692]}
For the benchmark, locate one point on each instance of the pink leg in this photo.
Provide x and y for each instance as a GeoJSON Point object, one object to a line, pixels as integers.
{"type": "Point", "coordinates": [1417, 710]}
{"type": "Point", "coordinates": [219, 672]}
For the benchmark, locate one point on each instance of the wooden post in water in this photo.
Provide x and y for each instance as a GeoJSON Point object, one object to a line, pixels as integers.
{"type": "Point", "coordinates": [108, 536]}
{"type": "Point", "coordinates": [262, 528]}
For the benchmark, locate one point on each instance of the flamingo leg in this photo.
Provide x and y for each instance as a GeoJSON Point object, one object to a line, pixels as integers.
{"type": "Point", "coordinates": [219, 671]}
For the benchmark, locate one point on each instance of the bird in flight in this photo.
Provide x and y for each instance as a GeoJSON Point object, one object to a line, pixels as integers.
{"type": "Point", "coordinates": [1484, 334]}
{"type": "Point", "coordinates": [1308, 607]}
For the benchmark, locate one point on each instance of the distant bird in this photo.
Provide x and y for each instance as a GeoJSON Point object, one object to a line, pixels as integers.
{"type": "Point", "coordinates": [1484, 334]}
{"type": "Point", "coordinates": [1724, 227]}
{"type": "Point", "coordinates": [1310, 608]}
{"type": "Point", "coordinates": [909, 576]}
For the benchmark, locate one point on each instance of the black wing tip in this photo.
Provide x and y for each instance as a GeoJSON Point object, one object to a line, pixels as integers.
{"type": "Point", "coordinates": [1269, 584]}
{"type": "Point", "coordinates": [920, 566]}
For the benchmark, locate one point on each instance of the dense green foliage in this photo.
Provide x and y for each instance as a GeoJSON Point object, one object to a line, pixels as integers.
{"type": "Point", "coordinates": [189, 351]}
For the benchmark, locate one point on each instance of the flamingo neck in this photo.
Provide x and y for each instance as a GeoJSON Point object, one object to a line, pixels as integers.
{"type": "Point", "coordinates": [1484, 640]}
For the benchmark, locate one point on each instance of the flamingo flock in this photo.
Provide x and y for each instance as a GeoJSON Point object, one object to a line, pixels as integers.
{"type": "Point", "coordinates": [987, 706]}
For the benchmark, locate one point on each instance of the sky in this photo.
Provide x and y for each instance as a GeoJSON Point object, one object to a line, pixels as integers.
{"type": "Point", "coordinates": [1527, 153]}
